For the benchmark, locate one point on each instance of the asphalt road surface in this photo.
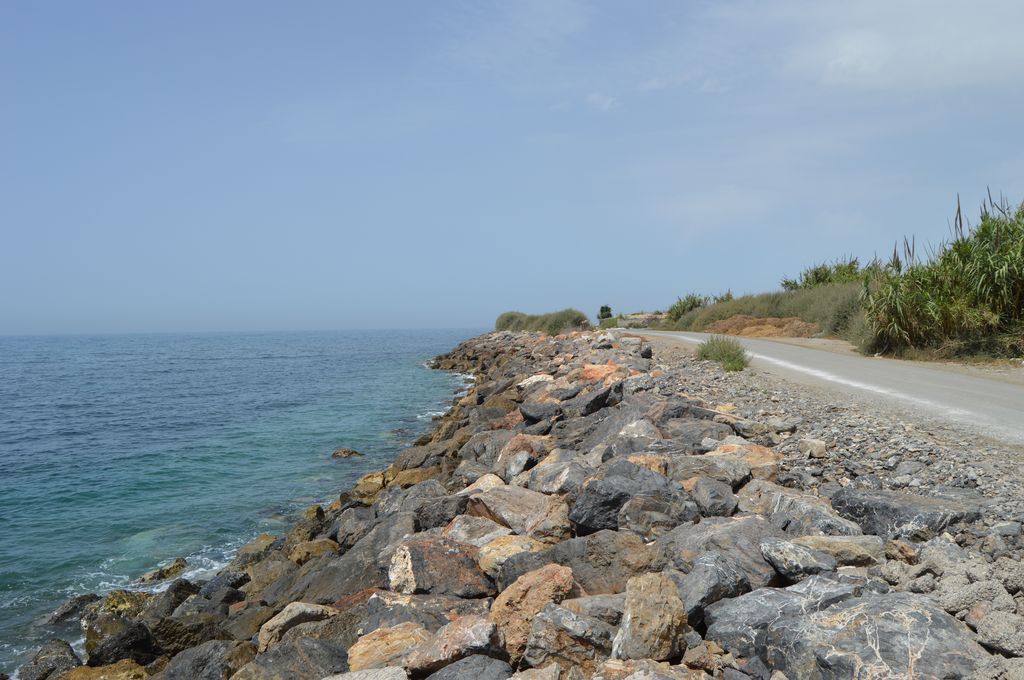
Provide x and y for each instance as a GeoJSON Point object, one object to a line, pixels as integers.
{"type": "Point", "coordinates": [985, 406]}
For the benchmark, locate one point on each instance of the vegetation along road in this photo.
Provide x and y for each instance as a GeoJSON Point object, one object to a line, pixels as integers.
{"type": "Point", "coordinates": [986, 405]}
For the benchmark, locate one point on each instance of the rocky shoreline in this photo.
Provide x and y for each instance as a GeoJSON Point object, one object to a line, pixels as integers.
{"type": "Point", "coordinates": [592, 510]}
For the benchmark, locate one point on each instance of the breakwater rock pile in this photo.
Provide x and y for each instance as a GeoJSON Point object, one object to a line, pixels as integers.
{"type": "Point", "coordinates": [577, 515]}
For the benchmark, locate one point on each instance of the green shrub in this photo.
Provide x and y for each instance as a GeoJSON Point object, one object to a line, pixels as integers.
{"type": "Point", "coordinates": [726, 351]}
{"type": "Point", "coordinates": [609, 323]}
{"type": "Point", "coordinates": [967, 298]}
{"type": "Point", "coordinates": [552, 323]}
{"type": "Point", "coordinates": [686, 304]}
{"type": "Point", "coordinates": [604, 313]}
{"type": "Point", "coordinates": [846, 270]}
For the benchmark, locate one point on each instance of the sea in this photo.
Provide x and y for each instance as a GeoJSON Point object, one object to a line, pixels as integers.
{"type": "Point", "coordinates": [122, 452]}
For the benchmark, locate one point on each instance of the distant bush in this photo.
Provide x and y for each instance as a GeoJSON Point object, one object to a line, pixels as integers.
{"type": "Point", "coordinates": [604, 313]}
{"type": "Point", "coordinates": [726, 351]}
{"type": "Point", "coordinates": [967, 298]}
{"type": "Point", "coordinates": [609, 323]}
{"type": "Point", "coordinates": [846, 270]}
{"type": "Point", "coordinates": [836, 308]}
{"type": "Point", "coordinates": [686, 304]}
{"type": "Point", "coordinates": [552, 324]}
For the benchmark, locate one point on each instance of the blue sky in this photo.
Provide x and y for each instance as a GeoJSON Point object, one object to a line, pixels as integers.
{"type": "Point", "coordinates": [249, 165]}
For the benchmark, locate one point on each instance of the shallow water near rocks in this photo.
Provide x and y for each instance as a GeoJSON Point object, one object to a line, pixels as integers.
{"type": "Point", "coordinates": [119, 452]}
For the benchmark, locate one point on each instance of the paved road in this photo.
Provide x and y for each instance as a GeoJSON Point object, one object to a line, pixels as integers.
{"type": "Point", "coordinates": [985, 406]}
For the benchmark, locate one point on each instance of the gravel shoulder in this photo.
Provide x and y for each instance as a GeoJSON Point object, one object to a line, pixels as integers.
{"type": "Point", "coordinates": [866, 436]}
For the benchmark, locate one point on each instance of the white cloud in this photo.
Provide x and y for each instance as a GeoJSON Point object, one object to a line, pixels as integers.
{"type": "Point", "coordinates": [601, 101]}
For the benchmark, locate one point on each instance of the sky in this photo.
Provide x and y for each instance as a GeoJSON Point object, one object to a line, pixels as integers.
{"type": "Point", "coordinates": [197, 166]}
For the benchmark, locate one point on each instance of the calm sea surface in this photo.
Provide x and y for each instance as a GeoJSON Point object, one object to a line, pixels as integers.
{"type": "Point", "coordinates": [118, 452]}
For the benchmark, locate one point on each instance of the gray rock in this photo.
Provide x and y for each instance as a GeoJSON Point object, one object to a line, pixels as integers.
{"type": "Point", "coordinates": [213, 660]}
{"type": "Point", "coordinates": [688, 433]}
{"type": "Point", "coordinates": [714, 498]}
{"type": "Point", "coordinates": [1002, 632]}
{"type": "Point", "coordinates": [559, 636]}
{"type": "Point", "coordinates": [738, 624]}
{"type": "Point", "coordinates": [329, 578]}
{"type": "Point", "coordinates": [603, 494]}
{"type": "Point", "coordinates": [477, 667]}
{"type": "Point", "coordinates": [891, 635]}
{"type": "Point", "coordinates": [649, 517]}
{"type": "Point", "coordinates": [712, 578]}
{"type": "Point", "coordinates": [52, 660]}
{"type": "Point", "coordinates": [389, 673]}
{"type": "Point", "coordinates": [427, 563]}
{"type": "Point", "coordinates": [601, 563]}
{"type": "Point", "coordinates": [299, 658]}
{"type": "Point", "coordinates": [893, 514]}
{"type": "Point", "coordinates": [607, 608]}
{"type": "Point", "coordinates": [728, 469]}
{"type": "Point", "coordinates": [795, 562]}
{"type": "Point", "coordinates": [72, 609]}
{"type": "Point", "coordinates": [386, 610]}
{"type": "Point", "coordinates": [134, 642]}
{"type": "Point", "coordinates": [736, 538]}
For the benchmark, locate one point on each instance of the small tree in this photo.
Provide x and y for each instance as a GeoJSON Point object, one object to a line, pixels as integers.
{"type": "Point", "coordinates": [604, 313]}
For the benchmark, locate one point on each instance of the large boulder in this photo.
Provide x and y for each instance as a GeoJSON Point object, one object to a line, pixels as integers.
{"type": "Point", "coordinates": [298, 658]}
{"type": "Point", "coordinates": [849, 551]}
{"type": "Point", "coordinates": [568, 640]}
{"type": "Point", "coordinates": [601, 563]}
{"type": "Point", "coordinates": [134, 642]}
{"type": "Point", "coordinates": [795, 512]}
{"type": "Point", "coordinates": [477, 666]}
{"type": "Point", "coordinates": [894, 635]}
{"type": "Point", "coordinates": [603, 494]}
{"type": "Point", "coordinates": [385, 609]}
{"type": "Point", "coordinates": [174, 634]}
{"type": "Point", "coordinates": [213, 660]}
{"type": "Point", "coordinates": [463, 637]}
{"type": "Point", "coordinates": [528, 513]}
{"type": "Point", "coordinates": [712, 578]}
{"type": "Point", "coordinates": [514, 609]}
{"type": "Point", "coordinates": [739, 624]}
{"type": "Point", "coordinates": [386, 646]}
{"type": "Point", "coordinates": [433, 564]}
{"type": "Point", "coordinates": [736, 538]}
{"type": "Point", "coordinates": [289, 617]}
{"type": "Point", "coordinates": [894, 514]}
{"type": "Point", "coordinates": [654, 620]}
{"type": "Point", "coordinates": [795, 562]}
{"type": "Point", "coordinates": [329, 578]}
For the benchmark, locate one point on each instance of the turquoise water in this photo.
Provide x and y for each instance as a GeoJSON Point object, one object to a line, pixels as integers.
{"type": "Point", "coordinates": [118, 452]}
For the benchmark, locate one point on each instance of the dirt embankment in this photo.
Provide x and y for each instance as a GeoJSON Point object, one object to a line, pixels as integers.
{"type": "Point", "coordinates": [767, 327]}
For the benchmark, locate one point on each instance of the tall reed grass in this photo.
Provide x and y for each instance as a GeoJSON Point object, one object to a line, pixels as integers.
{"type": "Point", "coordinates": [552, 323]}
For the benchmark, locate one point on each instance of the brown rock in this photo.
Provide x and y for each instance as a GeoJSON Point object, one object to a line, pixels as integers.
{"type": "Point", "coordinates": [386, 646]}
{"type": "Point", "coordinates": [367, 488]}
{"type": "Point", "coordinates": [654, 621]}
{"type": "Point", "coordinates": [514, 609]}
{"type": "Point", "coordinates": [413, 476]}
{"type": "Point", "coordinates": [172, 570]}
{"type": "Point", "coordinates": [344, 452]}
{"type": "Point", "coordinates": [528, 513]}
{"type": "Point", "coordinates": [496, 552]}
{"type": "Point", "coordinates": [763, 462]}
{"type": "Point", "coordinates": [307, 550]}
{"type": "Point", "coordinates": [463, 637]}
{"type": "Point", "coordinates": [126, 669]}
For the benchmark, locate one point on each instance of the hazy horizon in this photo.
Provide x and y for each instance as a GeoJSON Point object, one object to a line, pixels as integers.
{"type": "Point", "coordinates": [255, 167]}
